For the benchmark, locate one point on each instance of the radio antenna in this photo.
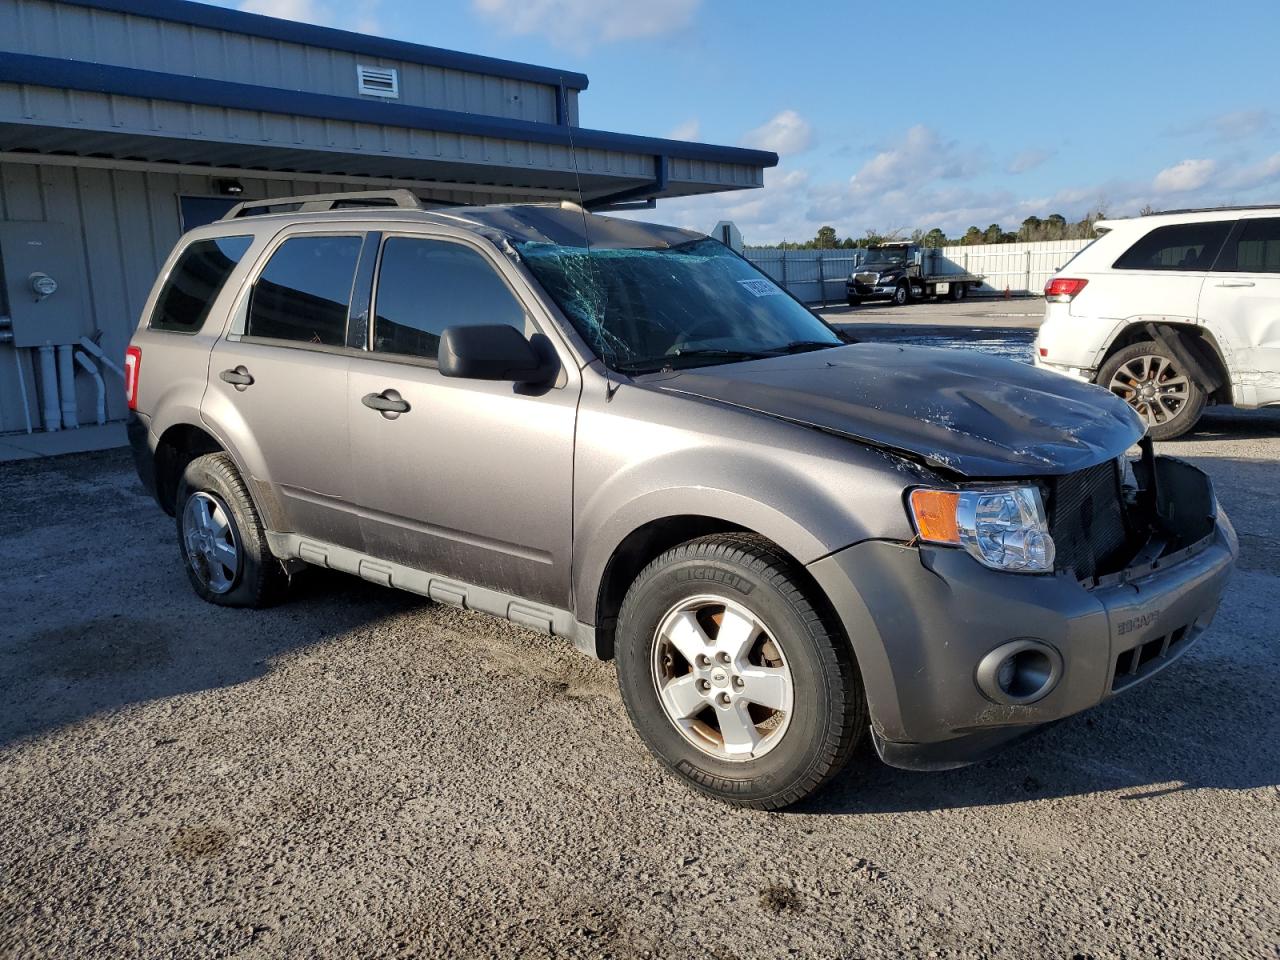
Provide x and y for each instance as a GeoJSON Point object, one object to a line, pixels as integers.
{"type": "Point", "coordinates": [596, 301]}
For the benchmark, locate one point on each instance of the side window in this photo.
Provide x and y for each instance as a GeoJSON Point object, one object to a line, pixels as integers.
{"type": "Point", "coordinates": [1255, 249]}
{"type": "Point", "coordinates": [427, 285]}
{"type": "Point", "coordinates": [304, 291]}
{"type": "Point", "coordinates": [195, 282]}
{"type": "Point", "coordinates": [1180, 246]}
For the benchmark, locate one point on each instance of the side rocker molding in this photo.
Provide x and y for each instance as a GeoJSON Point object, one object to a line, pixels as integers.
{"type": "Point", "coordinates": [551, 621]}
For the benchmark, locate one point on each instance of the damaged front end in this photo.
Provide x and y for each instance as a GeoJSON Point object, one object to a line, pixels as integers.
{"type": "Point", "coordinates": [1122, 519]}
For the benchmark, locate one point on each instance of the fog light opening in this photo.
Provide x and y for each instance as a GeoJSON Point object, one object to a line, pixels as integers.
{"type": "Point", "coordinates": [1024, 674]}
{"type": "Point", "coordinates": [1019, 672]}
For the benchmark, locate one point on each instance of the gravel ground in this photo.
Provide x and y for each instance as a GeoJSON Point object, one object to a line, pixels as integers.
{"type": "Point", "coordinates": [359, 772]}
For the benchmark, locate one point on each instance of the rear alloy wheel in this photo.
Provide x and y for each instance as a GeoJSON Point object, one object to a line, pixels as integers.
{"type": "Point", "coordinates": [1151, 381]}
{"type": "Point", "coordinates": [736, 679]}
{"type": "Point", "coordinates": [901, 294]}
{"type": "Point", "coordinates": [223, 542]}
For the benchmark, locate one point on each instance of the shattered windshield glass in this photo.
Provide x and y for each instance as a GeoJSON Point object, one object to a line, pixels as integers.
{"type": "Point", "coordinates": [694, 304]}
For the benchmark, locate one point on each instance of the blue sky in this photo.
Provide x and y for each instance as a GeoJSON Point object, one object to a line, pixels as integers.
{"type": "Point", "coordinates": [984, 112]}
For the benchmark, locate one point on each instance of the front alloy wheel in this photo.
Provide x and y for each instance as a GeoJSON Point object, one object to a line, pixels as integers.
{"type": "Point", "coordinates": [721, 678]}
{"type": "Point", "coordinates": [735, 673]}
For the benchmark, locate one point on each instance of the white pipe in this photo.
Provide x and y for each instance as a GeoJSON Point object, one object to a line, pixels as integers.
{"type": "Point", "coordinates": [92, 369]}
{"type": "Point", "coordinates": [49, 390]}
{"type": "Point", "coordinates": [97, 352]}
{"type": "Point", "coordinates": [67, 387]}
{"type": "Point", "coordinates": [22, 387]}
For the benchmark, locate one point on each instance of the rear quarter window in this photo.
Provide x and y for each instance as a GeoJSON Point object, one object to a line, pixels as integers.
{"type": "Point", "coordinates": [1179, 246]}
{"type": "Point", "coordinates": [195, 282]}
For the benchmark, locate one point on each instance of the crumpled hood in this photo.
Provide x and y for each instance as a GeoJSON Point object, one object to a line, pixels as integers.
{"type": "Point", "coordinates": [971, 414]}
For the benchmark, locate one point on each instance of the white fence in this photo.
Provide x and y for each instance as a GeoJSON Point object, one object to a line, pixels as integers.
{"type": "Point", "coordinates": [818, 276]}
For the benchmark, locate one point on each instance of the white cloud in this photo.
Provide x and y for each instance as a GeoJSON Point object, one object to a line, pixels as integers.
{"type": "Point", "coordinates": [1183, 177]}
{"type": "Point", "coordinates": [360, 16]}
{"type": "Point", "coordinates": [1255, 175]}
{"type": "Point", "coordinates": [688, 130]}
{"type": "Point", "coordinates": [307, 11]}
{"type": "Point", "coordinates": [788, 132]}
{"type": "Point", "coordinates": [1234, 125]}
{"type": "Point", "coordinates": [582, 24]}
{"type": "Point", "coordinates": [919, 156]}
{"type": "Point", "coordinates": [1028, 160]}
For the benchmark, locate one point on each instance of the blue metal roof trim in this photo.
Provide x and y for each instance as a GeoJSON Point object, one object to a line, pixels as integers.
{"type": "Point", "coordinates": [152, 85]}
{"type": "Point", "coordinates": [273, 28]}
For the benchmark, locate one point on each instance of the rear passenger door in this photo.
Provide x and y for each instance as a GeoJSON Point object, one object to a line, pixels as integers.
{"type": "Point", "coordinates": [278, 385]}
{"type": "Point", "coordinates": [475, 479]}
{"type": "Point", "coordinates": [1240, 305]}
{"type": "Point", "coordinates": [1161, 275]}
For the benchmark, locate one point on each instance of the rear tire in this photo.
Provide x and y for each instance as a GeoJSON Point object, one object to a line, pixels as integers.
{"type": "Point", "coordinates": [222, 539]}
{"type": "Point", "coordinates": [958, 292]}
{"type": "Point", "coordinates": [726, 727]}
{"type": "Point", "coordinates": [1151, 380]}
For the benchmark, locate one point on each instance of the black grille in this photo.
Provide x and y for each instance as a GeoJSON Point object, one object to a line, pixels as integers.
{"type": "Point", "coordinates": [1086, 519]}
{"type": "Point", "coordinates": [1133, 665]}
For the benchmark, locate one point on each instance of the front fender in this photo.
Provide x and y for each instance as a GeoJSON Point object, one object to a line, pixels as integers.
{"type": "Point", "coordinates": [809, 492]}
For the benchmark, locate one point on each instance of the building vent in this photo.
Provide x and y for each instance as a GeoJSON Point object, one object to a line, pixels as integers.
{"type": "Point", "coordinates": [378, 81]}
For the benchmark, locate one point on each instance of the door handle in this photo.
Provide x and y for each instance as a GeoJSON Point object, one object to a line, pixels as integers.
{"type": "Point", "coordinates": [1235, 283]}
{"type": "Point", "coordinates": [389, 403]}
{"type": "Point", "coordinates": [238, 378]}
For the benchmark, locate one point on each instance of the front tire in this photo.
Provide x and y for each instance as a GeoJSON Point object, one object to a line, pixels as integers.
{"type": "Point", "coordinates": [901, 295]}
{"type": "Point", "coordinates": [222, 539]}
{"type": "Point", "coordinates": [735, 675]}
{"type": "Point", "coordinates": [1151, 380]}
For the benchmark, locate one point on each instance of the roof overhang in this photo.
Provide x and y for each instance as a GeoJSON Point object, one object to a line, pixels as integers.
{"type": "Point", "coordinates": [655, 167]}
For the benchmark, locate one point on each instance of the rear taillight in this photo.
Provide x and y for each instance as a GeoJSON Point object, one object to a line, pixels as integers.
{"type": "Point", "coordinates": [132, 364]}
{"type": "Point", "coordinates": [1063, 289]}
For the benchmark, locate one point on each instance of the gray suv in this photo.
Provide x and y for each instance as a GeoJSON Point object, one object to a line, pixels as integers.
{"type": "Point", "coordinates": [625, 435]}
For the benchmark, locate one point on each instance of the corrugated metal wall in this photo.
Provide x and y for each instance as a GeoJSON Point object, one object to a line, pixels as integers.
{"type": "Point", "coordinates": [128, 220]}
{"type": "Point", "coordinates": [53, 29]}
{"type": "Point", "coordinates": [818, 276]}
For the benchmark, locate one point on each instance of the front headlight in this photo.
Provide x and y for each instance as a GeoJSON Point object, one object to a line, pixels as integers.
{"type": "Point", "coordinates": [1005, 528]}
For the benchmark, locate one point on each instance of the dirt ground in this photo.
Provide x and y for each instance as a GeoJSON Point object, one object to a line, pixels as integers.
{"type": "Point", "coordinates": [360, 773]}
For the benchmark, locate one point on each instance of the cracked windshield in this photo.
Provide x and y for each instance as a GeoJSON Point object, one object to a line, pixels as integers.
{"type": "Point", "coordinates": [697, 304]}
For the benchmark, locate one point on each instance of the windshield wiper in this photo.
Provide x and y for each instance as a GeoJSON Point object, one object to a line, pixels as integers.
{"type": "Point", "coordinates": [654, 364]}
{"type": "Point", "coordinates": [804, 346]}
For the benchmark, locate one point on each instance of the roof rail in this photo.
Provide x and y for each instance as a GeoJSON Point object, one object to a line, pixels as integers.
{"type": "Point", "coordinates": [320, 202]}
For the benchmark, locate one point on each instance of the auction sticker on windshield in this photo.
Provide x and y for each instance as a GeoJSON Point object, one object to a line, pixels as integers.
{"type": "Point", "coordinates": [760, 288]}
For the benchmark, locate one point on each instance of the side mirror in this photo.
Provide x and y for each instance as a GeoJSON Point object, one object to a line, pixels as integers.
{"type": "Point", "coordinates": [492, 351]}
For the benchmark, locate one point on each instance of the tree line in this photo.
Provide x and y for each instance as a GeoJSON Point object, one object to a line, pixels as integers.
{"type": "Point", "coordinates": [1053, 227]}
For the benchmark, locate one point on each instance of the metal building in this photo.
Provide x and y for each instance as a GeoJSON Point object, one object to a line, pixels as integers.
{"type": "Point", "coordinates": [124, 122]}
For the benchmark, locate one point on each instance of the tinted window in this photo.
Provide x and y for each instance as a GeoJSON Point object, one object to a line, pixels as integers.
{"type": "Point", "coordinates": [427, 285]}
{"type": "Point", "coordinates": [1182, 246]}
{"type": "Point", "coordinates": [195, 282]}
{"type": "Point", "coordinates": [305, 290]}
{"type": "Point", "coordinates": [1256, 248]}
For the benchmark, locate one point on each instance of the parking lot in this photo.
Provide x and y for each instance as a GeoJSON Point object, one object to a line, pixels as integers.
{"type": "Point", "coordinates": [359, 772]}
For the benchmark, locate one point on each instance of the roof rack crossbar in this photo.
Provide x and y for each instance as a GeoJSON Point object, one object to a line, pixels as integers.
{"type": "Point", "coordinates": [319, 202]}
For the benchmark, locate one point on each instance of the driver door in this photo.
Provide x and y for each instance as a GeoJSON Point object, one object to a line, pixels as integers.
{"type": "Point", "coordinates": [474, 480]}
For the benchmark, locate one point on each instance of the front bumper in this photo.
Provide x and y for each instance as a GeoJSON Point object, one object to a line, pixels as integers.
{"type": "Point", "coordinates": [922, 618]}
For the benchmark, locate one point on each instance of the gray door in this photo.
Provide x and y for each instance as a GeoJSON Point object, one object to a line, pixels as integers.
{"type": "Point", "coordinates": [278, 392]}
{"type": "Point", "coordinates": [474, 480]}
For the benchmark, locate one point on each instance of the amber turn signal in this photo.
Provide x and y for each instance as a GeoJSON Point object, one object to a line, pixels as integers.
{"type": "Point", "coordinates": [934, 512]}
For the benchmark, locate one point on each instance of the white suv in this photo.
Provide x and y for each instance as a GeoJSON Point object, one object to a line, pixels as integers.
{"type": "Point", "coordinates": [1172, 311]}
